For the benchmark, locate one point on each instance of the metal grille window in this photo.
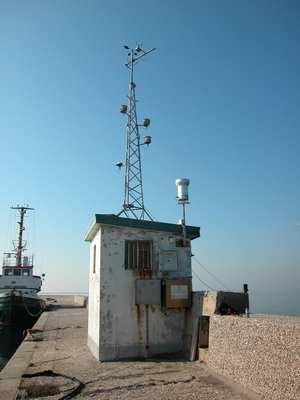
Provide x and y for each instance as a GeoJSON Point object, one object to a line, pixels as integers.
{"type": "Point", "coordinates": [138, 255]}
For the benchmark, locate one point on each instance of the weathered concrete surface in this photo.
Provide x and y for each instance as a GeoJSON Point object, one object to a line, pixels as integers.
{"type": "Point", "coordinates": [261, 353]}
{"type": "Point", "coordinates": [191, 322]}
{"type": "Point", "coordinates": [119, 328]}
{"type": "Point", "coordinates": [11, 375]}
{"type": "Point", "coordinates": [65, 300]}
{"type": "Point", "coordinates": [61, 347]}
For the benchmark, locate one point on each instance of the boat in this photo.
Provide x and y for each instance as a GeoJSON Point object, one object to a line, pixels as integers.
{"type": "Point", "coordinates": [20, 304]}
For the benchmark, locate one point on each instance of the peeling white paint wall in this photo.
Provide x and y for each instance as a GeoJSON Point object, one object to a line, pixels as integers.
{"type": "Point", "coordinates": [94, 296]}
{"type": "Point", "coordinates": [116, 325]}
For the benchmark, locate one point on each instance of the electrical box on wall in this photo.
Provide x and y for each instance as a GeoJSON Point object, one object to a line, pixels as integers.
{"type": "Point", "coordinates": [168, 261]}
{"type": "Point", "coordinates": [178, 293]}
{"type": "Point", "coordinates": [148, 291]}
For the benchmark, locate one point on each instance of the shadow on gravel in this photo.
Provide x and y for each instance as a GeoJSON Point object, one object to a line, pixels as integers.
{"type": "Point", "coordinates": [180, 357]}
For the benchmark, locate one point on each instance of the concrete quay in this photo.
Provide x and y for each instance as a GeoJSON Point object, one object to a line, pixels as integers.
{"type": "Point", "coordinates": [54, 362]}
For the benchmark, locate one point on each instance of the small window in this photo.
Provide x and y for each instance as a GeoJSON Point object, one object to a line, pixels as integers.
{"type": "Point", "coordinates": [25, 272]}
{"type": "Point", "coordinates": [17, 272]}
{"type": "Point", "coordinates": [7, 272]}
{"type": "Point", "coordinates": [94, 259]}
{"type": "Point", "coordinates": [138, 255]}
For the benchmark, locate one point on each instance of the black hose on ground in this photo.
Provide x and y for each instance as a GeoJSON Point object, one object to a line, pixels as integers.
{"type": "Point", "coordinates": [51, 373]}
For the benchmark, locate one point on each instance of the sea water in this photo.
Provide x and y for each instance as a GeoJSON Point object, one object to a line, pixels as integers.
{"type": "Point", "coordinates": [10, 339]}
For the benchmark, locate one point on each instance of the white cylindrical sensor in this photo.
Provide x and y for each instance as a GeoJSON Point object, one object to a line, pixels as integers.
{"type": "Point", "coordinates": [182, 189]}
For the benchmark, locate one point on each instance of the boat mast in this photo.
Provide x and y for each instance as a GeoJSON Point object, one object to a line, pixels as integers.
{"type": "Point", "coordinates": [21, 245]}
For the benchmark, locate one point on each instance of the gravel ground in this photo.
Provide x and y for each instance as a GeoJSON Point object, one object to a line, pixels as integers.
{"type": "Point", "coordinates": [62, 348]}
{"type": "Point", "coordinates": [260, 352]}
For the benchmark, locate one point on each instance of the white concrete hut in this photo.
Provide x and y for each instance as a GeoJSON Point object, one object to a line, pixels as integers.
{"type": "Point", "coordinates": [139, 286]}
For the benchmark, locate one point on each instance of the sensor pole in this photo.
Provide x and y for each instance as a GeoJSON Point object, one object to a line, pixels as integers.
{"type": "Point", "coordinates": [183, 198]}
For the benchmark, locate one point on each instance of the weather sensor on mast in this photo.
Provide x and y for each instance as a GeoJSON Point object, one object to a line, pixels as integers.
{"type": "Point", "coordinates": [183, 198]}
{"type": "Point", "coordinates": [133, 204]}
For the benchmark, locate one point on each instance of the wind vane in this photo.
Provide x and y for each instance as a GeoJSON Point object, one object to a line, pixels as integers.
{"type": "Point", "coordinates": [133, 204]}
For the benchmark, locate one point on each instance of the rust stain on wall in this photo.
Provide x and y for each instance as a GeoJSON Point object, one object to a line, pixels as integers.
{"type": "Point", "coordinates": [138, 321]}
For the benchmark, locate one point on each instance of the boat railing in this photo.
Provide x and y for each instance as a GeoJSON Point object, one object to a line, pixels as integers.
{"type": "Point", "coordinates": [10, 260]}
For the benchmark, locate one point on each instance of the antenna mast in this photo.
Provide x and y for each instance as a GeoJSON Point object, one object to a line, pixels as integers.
{"type": "Point", "coordinates": [133, 204]}
{"type": "Point", "coordinates": [21, 244]}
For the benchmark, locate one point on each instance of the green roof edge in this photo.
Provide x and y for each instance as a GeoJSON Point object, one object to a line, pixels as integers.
{"type": "Point", "coordinates": [192, 232]}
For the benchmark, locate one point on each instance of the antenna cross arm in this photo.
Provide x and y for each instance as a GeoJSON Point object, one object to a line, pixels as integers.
{"type": "Point", "coordinates": [139, 57]}
{"type": "Point", "coordinates": [22, 208]}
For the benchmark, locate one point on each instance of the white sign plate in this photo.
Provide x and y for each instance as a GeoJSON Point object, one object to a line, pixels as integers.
{"type": "Point", "coordinates": [179, 292]}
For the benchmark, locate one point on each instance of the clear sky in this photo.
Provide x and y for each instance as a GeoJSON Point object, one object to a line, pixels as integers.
{"type": "Point", "coordinates": [223, 95]}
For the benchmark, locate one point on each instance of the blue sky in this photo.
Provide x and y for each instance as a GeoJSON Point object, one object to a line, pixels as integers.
{"type": "Point", "coordinates": [222, 92]}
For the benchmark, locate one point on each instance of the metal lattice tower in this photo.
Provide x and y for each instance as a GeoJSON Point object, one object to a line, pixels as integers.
{"type": "Point", "coordinates": [133, 205]}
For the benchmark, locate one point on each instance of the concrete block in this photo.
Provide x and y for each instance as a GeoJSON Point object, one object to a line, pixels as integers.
{"type": "Point", "coordinates": [203, 331]}
{"type": "Point", "coordinates": [80, 301]}
{"type": "Point", "coordinates": [203, 355]}
{"type": "Point", "coordinates": [225, 303]}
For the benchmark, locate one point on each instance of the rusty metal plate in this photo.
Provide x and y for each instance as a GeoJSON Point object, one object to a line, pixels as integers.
{"type": "Point", "coordinates": [148, 291]}
{"type": "Point", "coordinates": [178, 292]}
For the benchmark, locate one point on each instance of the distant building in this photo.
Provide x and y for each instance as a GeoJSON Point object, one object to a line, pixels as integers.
{"type": "Point", "coordinates": [139, 286]}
